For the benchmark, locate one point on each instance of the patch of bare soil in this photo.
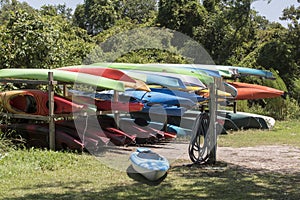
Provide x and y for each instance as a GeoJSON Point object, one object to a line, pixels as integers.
{"type": "Point", "coordinates": [281, 159]}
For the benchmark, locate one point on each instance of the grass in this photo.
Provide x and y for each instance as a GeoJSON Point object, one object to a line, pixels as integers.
{"type": "Point", "coordinates": [284, 133]}
{"type": "Point", "coordinates": [40, 174]}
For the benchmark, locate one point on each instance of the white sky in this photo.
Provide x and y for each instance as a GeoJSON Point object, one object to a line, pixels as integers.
{"type": "Point", "coordinates": [271, 11]}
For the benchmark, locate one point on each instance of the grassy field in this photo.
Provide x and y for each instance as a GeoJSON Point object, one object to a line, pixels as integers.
{"type": "Point", "coordinates": [284, 133]}
{"type": "Point", "coordinates": [38, 174]}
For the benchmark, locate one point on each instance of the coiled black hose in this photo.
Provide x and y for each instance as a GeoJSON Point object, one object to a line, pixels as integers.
{"type": "Point", "coordinates": [199, 147]}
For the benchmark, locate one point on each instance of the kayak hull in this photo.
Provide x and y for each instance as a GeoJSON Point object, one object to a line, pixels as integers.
{"type": "Point", "coordinates": [149, 164]}
{"type": "Point", "coordinates": [35, 102]}
{"type": "Point", "coordinates": [246, 91]}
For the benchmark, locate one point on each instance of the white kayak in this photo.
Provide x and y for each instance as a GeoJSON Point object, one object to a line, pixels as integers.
{"type": "Point", "coordinates": [149, 164]}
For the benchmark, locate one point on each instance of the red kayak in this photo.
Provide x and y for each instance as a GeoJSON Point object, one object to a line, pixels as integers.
{"type": "Point", "coordinates": [246, 91]}
{"type": "Point", "coordinates": [109, 73]}
{"type": "Point", "coordinates": [108, 105]}
{"type": "Point", "coordinates": [144, 134]}
{"type": "Point", "coordinates": [35, 102]}
{"type": "Point", "coordinates": [37, 135]}
{"type": "Point", "coordinates": [94, 130]}
{"type": "Point", "coordinates": [103, 72]}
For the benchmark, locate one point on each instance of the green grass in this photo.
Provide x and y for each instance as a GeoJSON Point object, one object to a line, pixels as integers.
{"type": "Point", "coordinates": [284, 133]}
{"type": "Point", "coordinates": [40, 174]}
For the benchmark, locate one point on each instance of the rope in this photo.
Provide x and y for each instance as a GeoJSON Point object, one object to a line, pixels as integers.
{"type": "Point", "coordinates": [199, 145]}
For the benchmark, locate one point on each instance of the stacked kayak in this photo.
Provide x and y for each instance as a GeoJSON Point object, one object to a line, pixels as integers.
{"type": "Point", "coordinates": [242, 120]}
{"type": "Point", "coordinates": [157, 99]}
{"type": "Point", "coordinates": [35, 102]}
{"type": "Point", "coordinates": [246, 91]}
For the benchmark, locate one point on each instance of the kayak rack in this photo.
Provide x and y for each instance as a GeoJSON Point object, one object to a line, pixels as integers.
{"type": "Point", "coordinates": [51, 116]}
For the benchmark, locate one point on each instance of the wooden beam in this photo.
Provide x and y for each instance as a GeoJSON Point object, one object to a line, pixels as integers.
{"type": "Point", "coordinates": [51, 112]}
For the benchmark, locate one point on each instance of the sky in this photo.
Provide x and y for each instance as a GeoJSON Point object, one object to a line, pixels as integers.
{"type": "Point", "coordinates": [272, 11]}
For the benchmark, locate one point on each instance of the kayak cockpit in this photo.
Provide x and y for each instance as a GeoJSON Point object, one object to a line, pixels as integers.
{"type": "Point", "coordinates": [24, 103]}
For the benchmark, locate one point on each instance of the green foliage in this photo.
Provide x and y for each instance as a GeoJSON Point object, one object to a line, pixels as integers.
{"type": "Point", "coordinates": [151, 56]}
{"type": "Point", "coordinates": [181, 15]}
{"type": "Point", "coordinates": [132, 40]}
{"type": "Point", "coordinates": [227, 27]}
{"type": "Point", "coordinates": [33, 40]}
{"type": "Point", "coordinates": [295, 92]}
{"type": "Point", "coordinates": [54, 10]}
{"type": "Point", "coordinates": [96, 16]}
{"type": "Point", "coordinates": [8, 7]}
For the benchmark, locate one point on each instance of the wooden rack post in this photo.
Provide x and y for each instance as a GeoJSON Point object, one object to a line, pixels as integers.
{"type": "Point", "coordinates": [213, 118]}
{"type": "Point", "coordinates": [116, 114]}
{"type": "Point", "coordinates": [51, 112]}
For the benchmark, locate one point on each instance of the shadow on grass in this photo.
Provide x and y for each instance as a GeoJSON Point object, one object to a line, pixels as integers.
{"type": "Point", "coordinates": [219, 181]}
{"type": "Point", "coordinates": [141, 179]}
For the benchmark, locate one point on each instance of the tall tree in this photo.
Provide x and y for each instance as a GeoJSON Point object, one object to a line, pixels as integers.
{"type": "Point", "coordinates": [98, 15]}
{"type": "Point", "coordinates": [181, 15]}
{"type": "Point", "coordinates": [228, 26]}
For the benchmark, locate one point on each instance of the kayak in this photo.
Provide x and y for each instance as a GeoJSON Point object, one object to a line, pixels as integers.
{"type": "Point", "coordinates": [98, 71]}
{"type": "Point", "coordinates": [108, 73]}
{"type": "Point", "coordinates": [109, 105]}
{"type": "Point", "coordinates": [182, 82]}
{"type": "Point", "coordinates": [63, 76]}
{"type": "Point", "coordinates": [246, 91]}
{"type": "Point", "coordinates": [158, 79]}
{"type": "Point", "coordinates": [143, 130]}
{"type": "Point", "coordinates": [265, 122]}
{"type": "Point", "coordinates": [35, 102]}
{"type": "Point", "coordinates": [204, 77]}
{"type": "Point", "coordinates": [155, 98]}
{"type": "Point", "coordinates": [192, 96]}
{"type": "Point", "coordinates": [186, 79]}
{"type": "Point", "coordinates": [149, 164]}
{"type": "Point", "coordinates": [245, 71]}
{"type": "Point", "coordinates": [97, 130]}
{"type": "Point", "coordinates": [37, 135]}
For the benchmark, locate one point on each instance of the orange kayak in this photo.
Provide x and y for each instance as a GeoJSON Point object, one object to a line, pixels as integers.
{"type": "Point", "coordinates": [35, 102]}
{"type": "Point", "coordinates": [246, 91]}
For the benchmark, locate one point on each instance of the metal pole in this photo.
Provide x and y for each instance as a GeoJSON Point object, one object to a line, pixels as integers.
{"type": "Point", "coordinates": [51, 112]}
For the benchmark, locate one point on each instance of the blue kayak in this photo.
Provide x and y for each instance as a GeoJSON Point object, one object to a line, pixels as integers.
{"type": "Point", "coordinates": [149, 164]}
{"type": "Point", "coordinates": [164, 97]}
{"type": "Point", "coordinates": [192, 96]}
{"type": "Point", "coordinates": [245, 71]}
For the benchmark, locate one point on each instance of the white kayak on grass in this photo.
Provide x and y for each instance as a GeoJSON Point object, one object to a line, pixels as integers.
{"type": "Point", "coordinates": [149, 164]}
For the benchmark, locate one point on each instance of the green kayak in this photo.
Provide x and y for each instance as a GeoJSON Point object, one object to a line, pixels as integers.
{"type": "Point", "coordinates": [63, 76]}
{"type": "Point", "coordinates": [202, 76]}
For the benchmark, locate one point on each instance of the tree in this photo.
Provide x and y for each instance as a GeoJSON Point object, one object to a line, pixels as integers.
{"type": "Point", "coordinates": [60, 9]}
{"type": "Point", "coordinates": [139, 11]}
{"type": "Point", "coordinates": [36, 41]}
{"type": "Point", "coordinates": [96, 16]}
{"type": "Point", "coordinates": [228, 26]}
{"type": "Point", "coordinates": [292, 39]}
{"type": "Point", "coordinates": [8, 7]}
{"type": "Point", "coordinates": [181, 15]}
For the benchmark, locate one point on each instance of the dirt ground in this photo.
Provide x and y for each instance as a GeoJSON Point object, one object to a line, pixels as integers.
{"type": "Point", "coordinates": [279, 159]}
{"type": "Point", "coordinates": [282, 159]}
